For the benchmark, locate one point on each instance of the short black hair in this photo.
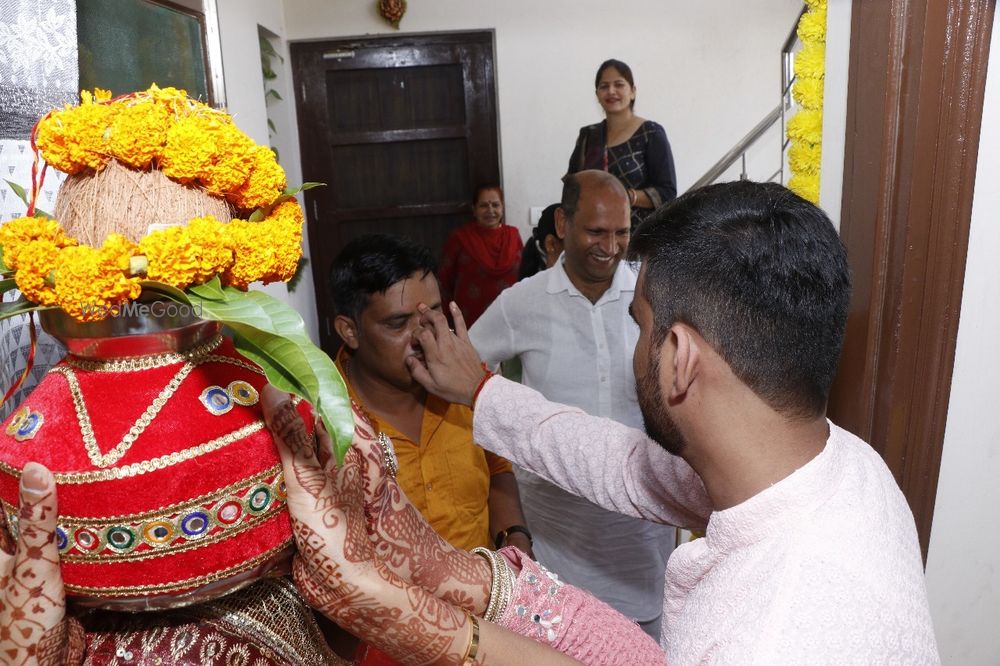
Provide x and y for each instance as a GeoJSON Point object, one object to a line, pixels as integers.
{"type": "Point", "coordinates": [533, 254]}
{"type": "Point", "coordinates": [371, 264]}
{"type": "Point", "coordinates": [762, 275]}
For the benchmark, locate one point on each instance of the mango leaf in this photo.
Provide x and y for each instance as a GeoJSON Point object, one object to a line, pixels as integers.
{"type": "Point", "coordinates": [292, 191]}
{"type": "Point", "coordinates": [22, 194]}
{"type": "Point", "coordinates": [300, 270]}
{"type": "Point", "coordinates": [211, 290]}
{"type": "Point", "coordinates": [271, 92]}
{"type": "Point", "coordinates": [273, 335]}
{"type": "Point", "coordinates": [7, 285]}
{"type": "Point", "coordinates": [19, 306]}
{"type": "Point", "coordinates": [289, 193]}
{"type": "Point", "coordinates": [3, 266]}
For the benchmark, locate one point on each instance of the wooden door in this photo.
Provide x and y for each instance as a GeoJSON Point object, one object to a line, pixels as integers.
{"type": "Point", "coordinates": [401, 129]}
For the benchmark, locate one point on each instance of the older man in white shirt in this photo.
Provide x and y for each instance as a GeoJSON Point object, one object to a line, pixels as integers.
{"type": "Point", "coordinates": [570, 327]}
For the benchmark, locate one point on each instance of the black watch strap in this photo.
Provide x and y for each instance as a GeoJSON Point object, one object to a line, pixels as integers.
{"type": "Point", "coordinates": [503, 534]}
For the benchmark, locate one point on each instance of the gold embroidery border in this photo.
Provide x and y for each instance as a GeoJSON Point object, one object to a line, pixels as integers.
{"type": "Point", "coordinates": [155, 514]}
{"type": "Point", "coordinates": [159, 552]}
{"type": "Point", "coordinates": [166, 588]}
{"type": "Point", "coordinates": [150, 362]}
{"type": "Point", "coordinates": [151, 465]}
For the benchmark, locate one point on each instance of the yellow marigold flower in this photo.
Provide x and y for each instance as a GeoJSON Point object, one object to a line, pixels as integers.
{"type": "Point", "coordinates": [806, 185]}
{"type": "Point", "coordinates": [207, 237]}
{"type": "Point", "coordinates": [75, 138]}
{"type": "Point", "coordinates": [14, 235]}
{"type": "Point", "coordinates": [173, 100]}
{"type": "Point", "coordinates": [90, 282]}
{"type": "Point", "coordinates": [816, 4]}
{"type": "Point", "coordinates": [810, 62]}
{"type": "Point", "coordinates": [120, 250]}
{"type": "Point", "coordinates": [182, 256]}
{"type": "Point", "coordinates": [252, 258]}
{"type": "Point", "coordinates": [808, 93]}
{"type": "Point", "coordinates": [99, 96]}
{"type": "Point", "coordinates": [190, 149]}
{"type": "Point", "coordinates": [806, 125]}
{"type": "Point", "coordinates": [804, 157]}
{"type": "Point", "coordinates": [232, 163]}
{"type": "Point", "coordinates": [285, 224]}
{"type": "Point", "coordinates": [36, 260]}
{"type": "Point", "coordinates": [139, 132]}
{"type": "Point", "coordinates": [265, 184]}
{"type": "Point", "coordinates": [812, 26]}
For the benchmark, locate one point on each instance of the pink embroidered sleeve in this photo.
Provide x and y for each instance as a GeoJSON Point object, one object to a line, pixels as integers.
{"type": "Point", "coordinates": [571, 620]}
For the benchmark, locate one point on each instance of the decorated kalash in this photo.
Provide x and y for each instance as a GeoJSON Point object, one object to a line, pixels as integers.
{"type": "Point", "coordinates": [170, 488]}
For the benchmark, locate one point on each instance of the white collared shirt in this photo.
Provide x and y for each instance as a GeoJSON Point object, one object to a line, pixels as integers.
{"type": "Point", "coordinates": [580, 353]}
{"type": "Point", "coordinates": [572, 351]}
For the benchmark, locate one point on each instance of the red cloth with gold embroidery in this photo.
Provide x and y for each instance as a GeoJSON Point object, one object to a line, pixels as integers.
{"type": "Point", "coordinates": [196, 498]}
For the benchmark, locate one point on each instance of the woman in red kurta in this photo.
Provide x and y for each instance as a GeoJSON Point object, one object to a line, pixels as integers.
{"type": "Point", "coordinates": [481, 258]}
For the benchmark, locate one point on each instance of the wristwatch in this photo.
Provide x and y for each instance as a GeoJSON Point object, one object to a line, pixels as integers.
{"type": "Point", "coordinates": [503, 534]}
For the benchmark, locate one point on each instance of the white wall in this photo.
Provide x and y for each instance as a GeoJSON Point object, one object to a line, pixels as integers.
{"type": "Point", "coordinates": [238, 21]}
{"type": "Point", "coordinates": [708, 72]}
{"type": "Point", "coordinates": [963, 562]}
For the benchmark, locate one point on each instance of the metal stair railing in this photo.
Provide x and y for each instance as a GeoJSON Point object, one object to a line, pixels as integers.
{"type": "Point", "coordinates": [779, 113]}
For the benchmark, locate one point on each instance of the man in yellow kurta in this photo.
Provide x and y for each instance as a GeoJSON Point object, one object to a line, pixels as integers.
{"type": "Point", "coordinates": [469, 496]}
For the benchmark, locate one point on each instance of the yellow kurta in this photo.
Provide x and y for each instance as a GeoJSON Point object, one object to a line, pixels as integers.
{"type": "Point", "coordinates": [446, 475]}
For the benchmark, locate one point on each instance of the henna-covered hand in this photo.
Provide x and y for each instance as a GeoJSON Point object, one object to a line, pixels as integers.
{"type": "Point", "coordinates": [337, 569]}
{"type": "Point", "coordinates": [34, 629]}
{"type": "Point", "coordinates": [407, 543]}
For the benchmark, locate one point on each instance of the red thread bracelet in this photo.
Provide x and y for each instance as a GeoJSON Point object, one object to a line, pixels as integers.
{"type": "Point", "coordinates": [482, 382]}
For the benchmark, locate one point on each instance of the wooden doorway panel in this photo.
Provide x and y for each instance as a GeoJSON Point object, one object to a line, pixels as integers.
{"type": "Point", "coordinates": [401, 129]}
{"type": "Point", "coordinates": [915, 101]}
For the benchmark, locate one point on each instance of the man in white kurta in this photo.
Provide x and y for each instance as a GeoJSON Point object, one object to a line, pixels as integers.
{"type": "Point", "coordinates": [578, 351]}
{"type": "Point", "coordinates": [821, 568]}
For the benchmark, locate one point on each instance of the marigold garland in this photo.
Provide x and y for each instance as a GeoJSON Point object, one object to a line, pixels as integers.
{"type": "Point", "coordinates": [87, 283]}
{"type": "Point", "coordinates": [805, 129]}
{"type": "Point", "coordinates": [191, 142]}
{"type": "Point", "coordinates": [194, 145]}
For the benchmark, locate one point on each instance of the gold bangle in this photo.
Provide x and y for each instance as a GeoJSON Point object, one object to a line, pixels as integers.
{"type": "Point", "coordinates": [473, 649]}
{"type": "Point", "coordinates": [501, 587]}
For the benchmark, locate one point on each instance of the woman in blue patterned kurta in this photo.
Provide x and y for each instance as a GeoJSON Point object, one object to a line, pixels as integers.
{"type": "Point", "coordinates": [632, 148]}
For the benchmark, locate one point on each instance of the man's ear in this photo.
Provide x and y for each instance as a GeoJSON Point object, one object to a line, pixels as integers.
{"type": "Point", "coordinates": [561, 223]}
{"type": "Point", "coordinates": [550, 244]}
{"type": "Point", "coordinates": [686, 361]}
{"type": "Point", "coordinates": [347, 330]}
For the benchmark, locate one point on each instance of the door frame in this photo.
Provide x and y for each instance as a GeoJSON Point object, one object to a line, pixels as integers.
{"type": "Point", "coordinates": [915, 104]}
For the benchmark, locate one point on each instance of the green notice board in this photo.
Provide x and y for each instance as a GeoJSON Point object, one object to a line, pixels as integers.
{"type": "Point", "coordinates": [126, 45]}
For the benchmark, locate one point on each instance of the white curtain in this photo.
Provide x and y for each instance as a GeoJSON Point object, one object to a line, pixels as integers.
{"type": "Point", "coordinates": [38, 72]}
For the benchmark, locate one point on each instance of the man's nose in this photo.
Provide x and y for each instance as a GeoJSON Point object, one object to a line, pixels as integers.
{"type": "Point", "coordinates": [609, 245]}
